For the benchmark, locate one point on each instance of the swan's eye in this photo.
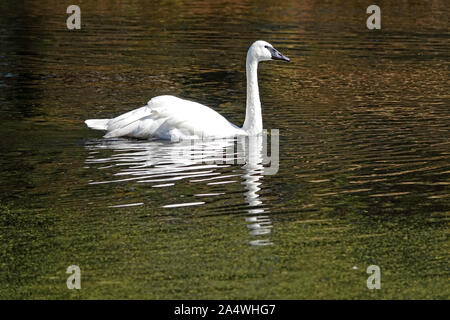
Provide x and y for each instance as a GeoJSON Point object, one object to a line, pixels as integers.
{"type": "Point", "coordinates": [270, 49]}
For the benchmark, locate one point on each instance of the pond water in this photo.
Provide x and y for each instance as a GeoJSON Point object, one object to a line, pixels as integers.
{"type": "Point", "coordinates": [363, 177]}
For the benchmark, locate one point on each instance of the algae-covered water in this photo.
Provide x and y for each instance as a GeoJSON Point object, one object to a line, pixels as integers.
{"type": "Point", "coordinates": [363, 178]}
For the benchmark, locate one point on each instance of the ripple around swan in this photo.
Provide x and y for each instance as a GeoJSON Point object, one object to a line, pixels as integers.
{"type": "Point", "coordinates": [222, 167]}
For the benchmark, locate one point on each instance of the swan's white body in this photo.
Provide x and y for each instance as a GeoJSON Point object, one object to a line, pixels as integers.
{"type": "Point", "coordinates": [168, 117]}
{"type": "Point", "coordinates": [172, 118]}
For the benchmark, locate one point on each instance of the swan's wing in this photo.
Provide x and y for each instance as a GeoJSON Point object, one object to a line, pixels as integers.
{"type": "Point", "coordinates": [168, 117]}
{"type": "Point", "coordinates": [141, 128]}
{"type": "Point", "coordinates": [128, 118]}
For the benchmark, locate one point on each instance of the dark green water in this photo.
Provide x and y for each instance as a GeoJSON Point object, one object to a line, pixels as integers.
{"type": "Point", "coordinates": [364, 152]}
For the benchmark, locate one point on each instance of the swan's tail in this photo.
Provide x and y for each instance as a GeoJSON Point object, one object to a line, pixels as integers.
{"type": "Point", "coordinates": [97, 124]}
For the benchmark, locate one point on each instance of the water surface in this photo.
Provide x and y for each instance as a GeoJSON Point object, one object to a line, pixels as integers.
{"type": "Point", "coordinates": [363, 178]}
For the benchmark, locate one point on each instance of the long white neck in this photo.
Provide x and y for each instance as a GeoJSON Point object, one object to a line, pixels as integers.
{"type": "Point", "coordinates": [253, 116]}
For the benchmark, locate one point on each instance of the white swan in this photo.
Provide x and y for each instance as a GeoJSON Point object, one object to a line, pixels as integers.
{"type": "Point", "coordinates": [172, 118]}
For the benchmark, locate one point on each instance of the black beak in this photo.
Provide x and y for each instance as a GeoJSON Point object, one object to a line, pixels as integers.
{"type": "Point", "coordinates": [276, 55]}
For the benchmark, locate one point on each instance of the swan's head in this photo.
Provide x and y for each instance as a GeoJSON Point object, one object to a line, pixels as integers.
{"type": "Point", "coordinates": [264, 51]}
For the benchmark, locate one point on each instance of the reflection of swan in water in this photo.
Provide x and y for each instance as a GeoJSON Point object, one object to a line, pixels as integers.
{"type": "Point", "coordinates": [259, 224]}
{"type": "Point", "coordinates": [162, 164]}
